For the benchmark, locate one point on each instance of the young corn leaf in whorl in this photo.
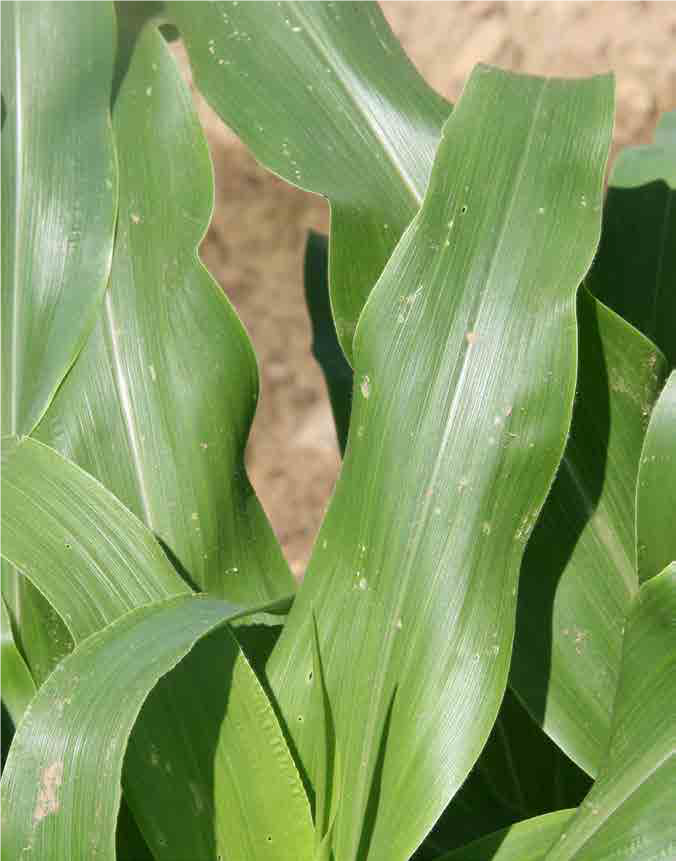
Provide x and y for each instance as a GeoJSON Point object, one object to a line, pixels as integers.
{"type": "Point", "coordinates": [325, 97]}
{"type": "Point", "coordinates": [465, 365]}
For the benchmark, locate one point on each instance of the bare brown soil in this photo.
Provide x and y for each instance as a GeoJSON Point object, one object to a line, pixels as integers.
{"type": "Point", "coordinates": [255, 244]}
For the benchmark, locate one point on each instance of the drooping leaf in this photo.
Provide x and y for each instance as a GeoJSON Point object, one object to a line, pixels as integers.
{"type": "Point", "coordinates": [61, 786]}
{"type": "Point", "coordinates": [465, 368]}
{"type": "Point", "coordinates": [629, 812]}
{"type": "Point", "coordinates": [86, 553]}
{"type": "Point", "coordinates": [579, 571]}
{"type": "Point", "coordinates": [59, 191]}
{"type": "Point", "coordinates": [325, 345]}
{"type": "Point", "coordinates": [524, 841]}
{"type": "Point", "coordinates": [18, 687]}
{"type": "Point", "coordinates": [159, 404]}
{"type": "Point", "coordinates": [324, 96]}
{"type": "Point", "coordinates": [656, 489]}
{"type": "Point", "coordinates": [635, 270]}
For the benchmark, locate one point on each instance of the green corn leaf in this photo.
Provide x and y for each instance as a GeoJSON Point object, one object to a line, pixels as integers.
{"type": "Point", "coordinates": [656, 489]}
{"type": "Point", "coordinates": [85, 552]}
{"type": "Point", "coordinates": [578, 577]}
{"type": "Point", "coordinates": [159, 404]}
{"type": "Point", "coordinates": [635, 270]}
{"type": "Point", "coordinates": [464, 376]}
{"type": "Point", "coordinates": [56, 246]}
{"type": "Point", "coordinates": [58, 194]}
{"type": "Point", "coordinates": [18, 687]}
{"type": "Point", "coordinates": [629, 812]}
{"type": "Point", "coordinates": [524, 841]}
{"type": "Point", "coordinates": [325, 346]}
{"type": "Point", "coordinates": [324, 97]}
{"type": "Point", "coordinates": [61, 786]}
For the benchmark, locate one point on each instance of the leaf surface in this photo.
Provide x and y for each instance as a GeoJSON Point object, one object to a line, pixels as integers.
{"type": "Point", "coordinates": [159, 404]}
{"type": "Point", "coordinates": [325, 97]}
{"type": "Point", "coordinates": [18, 687]}
{"type": "Point", "coordinates": [656, 489]}
{"type": "Point", "coordinates": [629, 812]}
{"type": "Point", "coordinates": [578, 576]}
{"type": "Point", "coordinates": [61, 785]}
{"type": "Point", "coordinates": [465, 370]}
{"type": "Point", "coordinates": [86, 553]}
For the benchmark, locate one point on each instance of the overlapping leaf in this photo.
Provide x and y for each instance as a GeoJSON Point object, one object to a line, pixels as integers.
{"type": "Point", "coordinates": [324, 96]}
{"type": "Point", "coordinates": [525, 841]}
{"type": "Point", "coordinates": [18, 687]}
{"type": "Point", "coordinates": [61, 785]}
{"type": "Point", "coordinates": [159, 404]}
{"type": "Point", "coordinates": [635, 270]}
{"type": "Point", "coordinates": [59, 183]}
{"type": "Point", "coordinates": [579, 571]}
{"type": "Point", "coordinates": [76, 542]}
{"type": "Point", "coordinates": [465, 368]}
{"type": "Point", "coordinates": [629, 812]}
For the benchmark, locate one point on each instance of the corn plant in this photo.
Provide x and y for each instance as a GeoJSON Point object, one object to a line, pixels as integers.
{"type": "Point", "coordinates": [480, 661]}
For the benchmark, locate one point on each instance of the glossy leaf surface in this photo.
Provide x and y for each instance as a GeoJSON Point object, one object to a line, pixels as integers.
{"type": "Point", "coordinates": [58, 194]}
{"type": "Point", "coordinates": [656, 490]}
{"type": "Point", "coordinates": [85, 552]}
{"type": "Point", "coordinates": [58, 213]}
{"type": "Point", "coordinates": [464, 380]}
{"type": "Point", "coordinates": [525, 841]}
{"type": "Point", "coordinates": [61, 785]}
{"type": "Point", "coordinates": [629, 812]}
{"type": "Point", "coordinates": [579, 571]}
{"type": "Point", "coordinates": [341, 112]}
{"type": "Point", "coordinates": [159, 404]}
{"type": "Point", "coordinates": [635, 270]}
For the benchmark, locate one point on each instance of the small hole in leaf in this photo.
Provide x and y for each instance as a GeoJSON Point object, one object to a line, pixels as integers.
{"type": "Point", "coordinates": [309, 676]}
{"type": "Point", "coordinates": [463, 210]}
{"type": "Point", "coordinates": [269, 838]}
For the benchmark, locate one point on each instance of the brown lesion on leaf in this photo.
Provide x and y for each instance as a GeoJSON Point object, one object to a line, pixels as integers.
{"type": "Point", "coordinates": [50, 781]}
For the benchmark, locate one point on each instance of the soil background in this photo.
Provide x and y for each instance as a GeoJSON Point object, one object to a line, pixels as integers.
{"type": "Point", "coordinates": [255, 244]}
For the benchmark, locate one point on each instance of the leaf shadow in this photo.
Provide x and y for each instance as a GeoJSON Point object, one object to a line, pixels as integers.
{"type": "Point", "coordinates": [182, 716]}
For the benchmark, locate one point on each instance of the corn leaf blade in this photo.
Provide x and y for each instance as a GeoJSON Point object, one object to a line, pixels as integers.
{"type": "Point", "coordinates": [63, 794]}
{"type": "Point", "coordinates": [18, 687]}
{"type": "Point", "coordinates": [159, 404]}
{"type": "Point", "coordinates": [656, 489]}
{"type": "Point", "coordinates": [79, 546]}
{"type": "Point", "coordinates": [342, 113]}
{"type": "Point", "coordinates": [416, 564]}
{"type": "Point", "coordinates": [629, 812]}
{"type": "Point", "coordinates": [578, 577]}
